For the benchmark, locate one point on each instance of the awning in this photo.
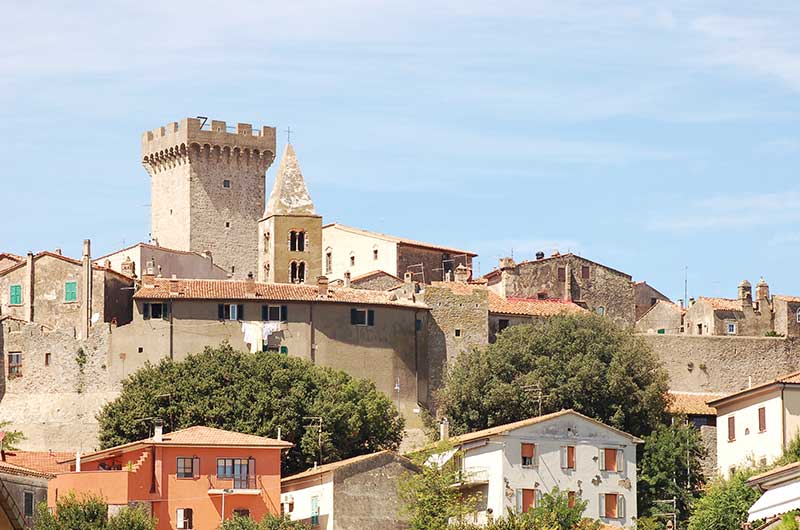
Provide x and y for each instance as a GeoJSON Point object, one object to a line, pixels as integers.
{"type": "Point", "coordinates": [440, 459]}
{"type": "Point", "coordinates": [775, 501]}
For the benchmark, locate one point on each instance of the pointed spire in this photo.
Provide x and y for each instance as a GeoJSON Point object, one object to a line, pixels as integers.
{"type": "Point", "coordinates": [289, 194]}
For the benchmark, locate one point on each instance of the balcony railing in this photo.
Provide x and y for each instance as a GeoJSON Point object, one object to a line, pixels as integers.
{"type": "Point", "coordinates": [473, 475]}
{"type": "Point", "coordinates": [248, 482]}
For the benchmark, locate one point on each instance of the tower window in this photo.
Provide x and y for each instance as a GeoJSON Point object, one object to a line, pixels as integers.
{"type": "Point", "coordinates": [297, 241]}
{"type": "Point", "coordinates": [329, 263]}
{"type": "Point", "coordinates": [297, 272]}
{"type": "Point", "coordinates": [375, 253]}
{"type": "Point", "coordinates": [352, 260]}
{"type": "Point", "coordinates": [226, 183]}
{"type": "Point", "coordinates": [227, 224]}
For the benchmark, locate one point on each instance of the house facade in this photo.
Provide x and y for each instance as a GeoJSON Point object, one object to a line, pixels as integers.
{"type": "Point", "coordinates": [21, 490]}
{"type": "Point", "coordinates": [593, 286]}
{"type": "Point", "coordinates": [358, 493]}
{"type": "Point", "coordinates": [144, 258]}
{"type": "Point", "coordinates": [510, 467]}
{"type": "Point", "coordinates": [189, 479]}
{"type": "Point", "coordinates": [645, 297]}
{"type": "Point", "coordinates": [755, 425]}
{"type": "Point", "coordinates": [663, 317]}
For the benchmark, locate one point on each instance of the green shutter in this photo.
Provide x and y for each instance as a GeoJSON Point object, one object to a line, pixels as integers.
{"type": "Point", "coordinates": [370, 317]}
{"type": "Point", "coordinates": [16, 295]}
{"type": "Point", "coordinates": [71, 292]}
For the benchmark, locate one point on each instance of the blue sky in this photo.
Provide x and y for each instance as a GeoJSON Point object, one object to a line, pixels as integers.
{"type": "Point", "coordinates": [648, 136]}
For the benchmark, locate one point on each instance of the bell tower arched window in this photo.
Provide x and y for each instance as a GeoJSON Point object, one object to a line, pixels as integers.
{"type": "Point", "coordinates": [297, 272]}
{"type": "Point", "coordinates": [297, 241]}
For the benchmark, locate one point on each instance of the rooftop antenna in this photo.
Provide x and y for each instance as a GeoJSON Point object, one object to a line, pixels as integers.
{"type": "Point", "coordinates": [685, 286]}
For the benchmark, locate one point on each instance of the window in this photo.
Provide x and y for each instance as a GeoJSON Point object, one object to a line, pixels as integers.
{"type": "Point", "coordinates": [228, 225]}
{"type": "Point", "coordinates": [230, 311]}
{"type": "Point", "coordinates": [541, 296]}
{"type": "Point", "coordinates": [15, 297]}
{"type": "Point", "coordinates": [458, 332]}
{"type": "Point", "coordinates": [314, 511]}
{"type": "Point", "coordinates": [418, 325]}
{"type": "Point", "coordinates": [502, 324]}
{"type": "Point", "coordinates": [375, 254]}
{"type": "Point", "coordinates": [731, 428]}
{"type": "Point", "coordinates": [601, 311]}
{"type": "Point", "coordinates": [362, 317]}
{"type": "Point", "coordinates": [152, 310]}
{"type": "Point", "coordinates": [328, 262]}
{"type": "Point", "coordinates": [188, 467]}
{"type": "Point", "coordinates": [71, 291]}
{"type": "Point", "coordinates": [297, 241]}
{"type": "Point", "coordinates": [562, 274]}
{"type": "Point", "coordinates": [528, 454]}
{"type": "Point", "coordinates": [585, 272]}
{"type": "Point", "coordinates": [28, 503]}
{"type": "Point", "coordinates": [352, 260]}
{"type": "Point", "coordinates": [762, 419]}
{"type": "Point", "coordinates": [612, 460]}
{"type": "Point", "coordinates": [731, 328]}
{"type": "Point", "coordinates": [797, 316]}
{"type": "Point", "coordinates": [297, 272]}
{"type": "Point", "coordinates": [653, 301]}
{"type": "Point", "coordinates": [274, 313]}
{"type": "Point", "coordinates": [15, 364]}
{"type": "Point", "coordinates": [241, 512]}
{"type": "Point", "coordinates": [184, 518]}
{"type": "Point", "coordinates": [612, 506]}
{"type": "Point", "coordinates": [568, 457]}
{"type": "Point", "coordinates": [527, 499]}
{"type": "Point", "coordinates": [47, 359]}
{"type": "Point", "coordinates": [226, 183]}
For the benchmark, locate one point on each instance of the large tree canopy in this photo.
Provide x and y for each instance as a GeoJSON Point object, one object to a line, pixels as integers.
{"type": "Point", "coordinates": [257, 394]}
{"type": "Point", "coordinates": [582, 362]}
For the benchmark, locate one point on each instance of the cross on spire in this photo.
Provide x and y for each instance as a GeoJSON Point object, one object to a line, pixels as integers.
{"type": "Point", "coordinates": [288, 135]}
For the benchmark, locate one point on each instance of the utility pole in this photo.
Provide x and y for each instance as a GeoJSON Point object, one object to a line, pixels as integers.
{"type": "Point", "coordinates": [537, 390]}
{"type": "Point", "coordinates": [317, 419]}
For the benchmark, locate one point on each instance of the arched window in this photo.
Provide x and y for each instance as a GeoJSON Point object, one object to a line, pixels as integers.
{"type": "Point", "coordinates": [798, 315]}
{"type": "Point", "coordinates": [328, 260]}
{"type": "Point", "coordinates": [293, 271]}
{"type": "Point", "coordinates": [297, 241]}
{"type": "Point", "coordinates": [301, 272]}
{"type": "Point", "coordinates": [601, 311]}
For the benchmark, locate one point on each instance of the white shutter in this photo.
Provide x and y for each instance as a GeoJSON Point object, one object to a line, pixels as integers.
{"type": "Point", "coordinates": [602, 459]}
{"type": "Point", "coordinates": [537, 498]}
{"type": "Point", "coordinates": [179, 517]}
{"type": "Point", "coordinates": [620, 506]}
{"type": "Point", "coordinates": [519, 501]}
{"type": "Point", "coordinates": [601, 511]}
{"type": "Point", "coordinates": [563, 458]}
{"type": "Point", "coordinates": [621, 461]}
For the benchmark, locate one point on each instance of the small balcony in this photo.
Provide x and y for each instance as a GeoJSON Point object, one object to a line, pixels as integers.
{"type": "Point", "coordinates": [472, 476]}
{"type": "Point", "coordinates": [243, 485]}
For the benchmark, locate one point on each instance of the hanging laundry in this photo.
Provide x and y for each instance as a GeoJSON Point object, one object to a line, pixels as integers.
{"type": "Point", "coordinates": [253, 335]}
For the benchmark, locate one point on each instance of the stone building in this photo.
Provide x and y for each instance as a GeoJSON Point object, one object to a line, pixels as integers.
{"type": "Point", "coordinates": [290, 232]}
{"type": "Point", "coordinates": [588, 284]}
{"type": "Point", "coordinates": [208, 188]}
{"type": "Point", "coordinates": [369, 334]}
{"type": "Point", "coordinates": [131, 261]}
{"type": "Point", "coordinates": [375, 280]}
{"type": "Point", "coordinates": [358, 493]}
{"type": "Point", "coordinates": [21, 490]}
{"type": "Point", "coordinates": [724, 316]}
{"type": "Point", "coordinates": [663, 317]}
{"type": "Point", "coordinates": [645, 297]}
{"type": "Point", "coordinates": [361, 252]}
{"type": "Point", "coordinates": [63, 293]}
{"type": "Point", "coordinates": [786, 310]}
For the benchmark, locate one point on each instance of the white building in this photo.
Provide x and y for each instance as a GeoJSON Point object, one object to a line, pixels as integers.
{"type": "Point", "coordinates": [754, 425]}
{"type": "Point", "coordinates": [359, 493]}
{"type": "Point", "coordinates": [166, 262]}
{"type": "Point", "coordinates": [511, 466]}
{"type": "Point", "coordinates": [780, 494]}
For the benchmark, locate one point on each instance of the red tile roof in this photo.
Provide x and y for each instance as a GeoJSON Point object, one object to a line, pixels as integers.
{"type": "Point", "coordinates": [531, 306]}
{"type": "Point", "coordinates": [73, 261]}
{"type": "Point", "coordinates": [722, 304]}
{"type": "Point", "coordinates": [787, 298]}
{"type": "Point", "coordinates": [163, 288]}
{"type": "Point", "coordinates": [42, 461]}
{"type": "Point", "coordinates": [373, 274]}
{"type": "Point", "coordinates": [399, 240]}
{"type": "Point", "coordinates": [692, 403]}
{"type": "Point", "coordinates": [13, 469]}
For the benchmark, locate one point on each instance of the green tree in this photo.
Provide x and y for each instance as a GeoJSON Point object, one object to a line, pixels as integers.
{"type": "Point", "coordinates": [269, 522]}
{"type": "Point", "coordinates": [257, 394]}
{"type": "Point", "coordinates": [10, 440]}
{"type": "Point", "coordinates": [725, 503]}
{"type": "Point", "coordinates": [670, 466]}
{"type": "Point", "coordinates": [429, 499]}
{"type": "Point", "coordinates": [132, 519]}
{"type": "Point", "coordinates": [554, 512]}
{"type": "Point", "coordinates": [583, 362]}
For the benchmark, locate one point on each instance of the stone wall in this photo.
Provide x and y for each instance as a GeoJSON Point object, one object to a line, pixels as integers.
{"type": "Point", "coordinates": [723, 364]}
{"type": "Point", "coordinates": [645, 297]}
{"type": "Point", "coordinates": [786, 316]}
{"type": "Point", "coordinates": [377, 282]}
{"type": "Point", "coordinates": [433, 262]}
{"type": "Point", "coordinates": [664, 316]}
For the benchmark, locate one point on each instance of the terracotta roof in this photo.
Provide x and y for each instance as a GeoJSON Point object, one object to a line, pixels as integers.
{"type": "Point", "coordinates": [43, 461]}
{"type": "Point", "coordinates": [399, 240]}
{"type": "Point", "coordinates": [495, 272]}
{"type": "Point", "coordinates": [787, 298]}
{"type": "Point", "coordinates": [502, 429]}
{"type": "Point", "coordinates": [789, 379]}
{"type": "Point", "coordinates": [531, 306]}
{"type": "Point", "coordinates": [194, 436]}
{"type": "Point", "coordinates": [13, 469]}
{"type": "Point", "coordinates": [238, 290]}
{"type": "Point", "coordinates": [73, 261]}
{"type": "Point", "coordinates": [722, 304]}
{"type": "Point", "coordinates": [333, 466]}
{"type": "Point", "coordinates": [12, 257]}
{"type": "Point", "coordinates": [692, 403]}
{"type": "Point", "coordinates": [373, 274]}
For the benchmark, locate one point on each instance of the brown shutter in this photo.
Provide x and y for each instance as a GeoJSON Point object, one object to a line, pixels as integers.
{"type": "Point", "coordinates": [528, 450]}
{"type": "Point", "coordinates": [527, 500]}
{"type": "Point", "coordinates": [611, 506]}
{"type": "Point", "coordinates": [731, 428]}
{"type": "Point", "coordinates": [571, 457]}
{"type": "Point", "coordinates": [762, 419]}
{"type": "Point", "coordinates": [611, 459]}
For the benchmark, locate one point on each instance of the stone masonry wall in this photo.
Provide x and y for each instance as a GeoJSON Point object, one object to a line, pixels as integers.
{"type": "Point", "coordinates": [432, 260]}
{"type": "Point", "coordinates": [378, 282]}
{"type": "Point", "coordinates": [723, 364]}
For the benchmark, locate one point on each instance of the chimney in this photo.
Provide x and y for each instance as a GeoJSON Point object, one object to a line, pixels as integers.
{"type": "Point", "coordinates": [207, 254]}
{"type": "Point", "coordinates": [746, 294]}
{"type": "Point", "coordinates": [250, 285]}
{"type": "Point", "coordinates": [567, 283]}
{"type": "Point", "coordinates": [507, 263]}
{"type": "Point", "coordinates": [148, 277]}
{"type": "Point", "coordinates": [31, 274]}
{"type": "Point", "coordinates": [322, 286]}
{"type": "Point", "coordinates": [462, 273]}
{"type": "Point", "coordinates": [762, 290]}
{"type": "Point", "coordinates": [86, 289]}
{"type": "Point", "coordinates": [58, 251]}
{"type": "Point", "coordinates": [77, 461]}
{"type": "Point", "coordinates": [173, 285]}
{"type": "Point", "coordinates": [540, 255]}
{"type": "Point", "coordinates": [408, 277]}
{"type": "Point", "coordinates": [444, 430]}
{"type": "Point", "coordinates": [129, 267]}
{"type": "Point", "coordinates": [158, 434]}
{"type": "Point", "coordinates": [347, 280]}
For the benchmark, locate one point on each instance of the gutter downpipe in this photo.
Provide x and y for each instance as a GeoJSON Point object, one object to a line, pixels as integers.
{"type": "Point", "coordinates": [783, 415]}
{"type": "Point", "coordinates": [312, 353]}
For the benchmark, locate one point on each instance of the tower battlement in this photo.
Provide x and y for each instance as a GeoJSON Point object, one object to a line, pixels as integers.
{"type": "Point", "coordinates": [179, 136]}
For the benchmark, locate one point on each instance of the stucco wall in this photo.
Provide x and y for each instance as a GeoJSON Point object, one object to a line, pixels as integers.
{"type": "Point", "coordinates": [664, 316]}
{"type": "Point", "coordinates": [377, 282]}
{"type": "Point", "coordinates": [167, 262]}
{"type": "Point", "coordinates": [275, 252]}
{"type": "Point", "coordinates": [343, 243]}
{"type": "Point", "coordinates": [645, 297]}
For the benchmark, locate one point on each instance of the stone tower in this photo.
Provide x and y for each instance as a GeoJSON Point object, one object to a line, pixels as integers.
{"type": "Point", "coordinates": [207, 189]}
{"type": "Point", "coordinates": [290, 234]}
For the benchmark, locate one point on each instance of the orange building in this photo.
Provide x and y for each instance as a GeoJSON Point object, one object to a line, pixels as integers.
{"type": "Point", "coordinates": [190, 479]}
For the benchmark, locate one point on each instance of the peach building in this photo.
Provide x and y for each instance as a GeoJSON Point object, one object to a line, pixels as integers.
{"type": "Point", "coordinates": [190, 479]}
